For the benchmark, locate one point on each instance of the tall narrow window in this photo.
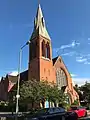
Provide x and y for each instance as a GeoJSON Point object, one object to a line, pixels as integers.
{"type": "Point", "coordinates": [47, 50]}
{"type": "Point", "coordinates": [43, 48]}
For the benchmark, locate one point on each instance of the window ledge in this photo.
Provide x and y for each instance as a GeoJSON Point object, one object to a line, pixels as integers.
{"type": "Point", "coordinates": [46, 58]}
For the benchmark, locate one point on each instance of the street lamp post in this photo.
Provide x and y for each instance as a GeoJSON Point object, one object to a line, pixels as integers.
{"type": "Point", "coordinates": [18, 81]}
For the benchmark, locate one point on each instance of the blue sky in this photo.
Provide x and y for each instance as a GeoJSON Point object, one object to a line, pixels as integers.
{"type": "Point", "coordinates": [68, 23]}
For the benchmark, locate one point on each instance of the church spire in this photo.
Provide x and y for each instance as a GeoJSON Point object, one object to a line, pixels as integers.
{"type": "Point", "coordinates": [39, 25]}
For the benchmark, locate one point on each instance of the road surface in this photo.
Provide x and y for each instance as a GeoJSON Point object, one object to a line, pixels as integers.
{"type": "Point", "coordinates": [85, 118]}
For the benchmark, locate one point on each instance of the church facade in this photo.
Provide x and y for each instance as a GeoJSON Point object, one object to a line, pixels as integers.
{"type": "Point", "coordinates": [41, 64]}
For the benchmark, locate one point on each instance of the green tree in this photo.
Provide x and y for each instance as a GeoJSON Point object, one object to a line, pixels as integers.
{"type": "Point", "coordinates": [29, 92]}
{"type": "Point", "coordinates": [86, 91]}
{"type": "Point", "coordinates": [78, 90]}
{"type": "Point", "coordinates": [33, 91]}
{"type": "Point", "coordinates": [75, 102]}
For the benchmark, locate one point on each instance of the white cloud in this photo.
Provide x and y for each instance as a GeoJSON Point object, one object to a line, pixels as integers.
{"type": "Point", "coordinates": [73, 75]}
{"type": "Point", "coordinates": [86, 62]}
{"type": "Point", "coordinates": [73, 44]}
{"type": "Point", "coordinates": [56, 49]}
{"type": "Point", "coordinates": [88, 38]}
{"type": "Point", "coordinates": [80, 57]}
{"type": "Point", "coordinates": [88, 55]}
{"type": "Point", "coordinates": [89, 41]}
{"type": "Point", "coordinates": [14, 73]}
{"type": "Point", "coordinates": [69, 53]}
{"type": "Point", "coordinates": [81, 60]}
{"type": "Point", "coordinates": [80, 81]}
{"type": "Point", "coordinates": [66, 46]}
{"type": "Point", "coordinates": [60, 49]}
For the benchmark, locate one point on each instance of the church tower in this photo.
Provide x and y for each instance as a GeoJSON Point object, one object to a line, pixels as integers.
{"type": "Point", "coordinates": [40, 51]}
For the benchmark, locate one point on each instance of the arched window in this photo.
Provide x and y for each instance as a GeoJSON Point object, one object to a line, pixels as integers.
{"type": "Point", "coordinates": [47, 50]}
{"type": "Point", "coordinates": [61, 78]}
{"type": "Point", "coordinates": [43, 48]}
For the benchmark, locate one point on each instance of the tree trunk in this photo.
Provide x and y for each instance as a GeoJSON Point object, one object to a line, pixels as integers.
{"type": "Point", "coordinates": [32, 104]}
{"type": "Point", "coordinates": [43, 104]}
{"type": "Point", "coordinates": [49, 104]}
{"type": "Point", "coordinates": [55, 104]}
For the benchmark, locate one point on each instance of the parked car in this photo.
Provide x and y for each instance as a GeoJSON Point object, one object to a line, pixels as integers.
{"type": "Point", "coordinates": [81, 111]}
{"type": "Point", "coordinates": [56, 113]}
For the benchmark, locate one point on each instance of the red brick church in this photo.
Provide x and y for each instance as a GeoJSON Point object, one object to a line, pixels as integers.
{"type": "Point", "coordinates": [41, 65]}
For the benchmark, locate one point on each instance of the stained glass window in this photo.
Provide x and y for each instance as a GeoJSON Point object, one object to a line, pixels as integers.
{"type": "Point", "coordinates": [61, 78]}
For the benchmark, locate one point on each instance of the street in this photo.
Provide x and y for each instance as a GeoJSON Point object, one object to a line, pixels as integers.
{"type": "Point", "coordinates": [9, 114]}
{"type": "Point", "coordinates": [85, 118]}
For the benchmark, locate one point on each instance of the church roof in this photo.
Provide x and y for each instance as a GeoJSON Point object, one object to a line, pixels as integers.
{"type": "Point", "coordinates": [54, 60]}
{"type": "Point", "coordinates": [13, 79]}
{"type": "Point", "coordinates": [39, 25]}
{"type": "Point", "coordinates": [23, 77]}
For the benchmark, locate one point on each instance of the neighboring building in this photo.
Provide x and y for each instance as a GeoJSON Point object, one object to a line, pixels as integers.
{"type": "Point", "coordinates": [41, 65]}
{"type": "Point", "coordinates": [4, 83]}
{"type": "Point", "coordinates": [8, 83]}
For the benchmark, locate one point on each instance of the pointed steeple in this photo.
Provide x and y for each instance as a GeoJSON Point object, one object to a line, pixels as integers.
{"type": "Point", "coordinates": [39, 25]}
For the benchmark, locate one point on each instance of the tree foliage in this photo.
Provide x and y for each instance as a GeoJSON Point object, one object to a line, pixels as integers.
{"type": "Point", "coordinates": [75, 103]}
{"type": "Point", "coordinates": [83, 92]}
{"type": "Point", "coordinates": [78, 90]}
{"type": "Point", "coordinates": [34, 92]}
{"type": "Point", "coordinates": [86, 91]}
